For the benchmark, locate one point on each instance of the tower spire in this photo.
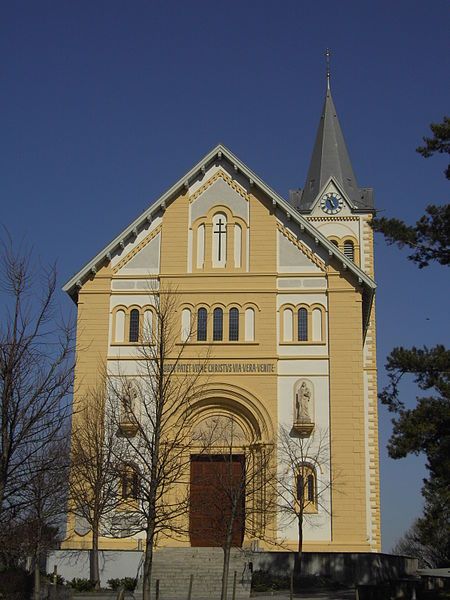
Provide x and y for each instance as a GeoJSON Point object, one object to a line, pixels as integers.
{"type": "Point", "coordinates": [328, 60]}
{"type": "Point", "coordinates": [330, 159]}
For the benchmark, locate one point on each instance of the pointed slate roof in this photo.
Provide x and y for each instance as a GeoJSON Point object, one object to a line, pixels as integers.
{"type": "Point", "coordinates": [330, 159]}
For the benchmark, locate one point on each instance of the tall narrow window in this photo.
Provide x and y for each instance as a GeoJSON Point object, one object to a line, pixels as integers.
{"type": "Point", "coordinates": [134, 326]}
{"type": "Point", "coordinates": [233, 333]}
{"type": "Point", "coordinates": [310, 485]}
{"type": "Point", "coordinates": [349, 249]}
{"type": "Point", "coordinates": [147, 330]}
{"type": "Point", "coordinates": [200, 246]}
{"type": "Point", "coordinates": [219, 246]}
{"type": "Point", "coordinates": [302, 325]}
{"type": "Point", "coordinates": [287, 325]}
{"type": "Point", "coordinates": [185, 324]}
{"type": "Point", "coordinates": [249, 325]}
{"type": "Point", "coordinates": [202, 324]}
{"type": "Point", "coordinates": [218, 325]}
{"type": "Point", "coordinates": [306, 486]}
{"type": "Point", "coordinates": [237, 246]}
{"type": "Point", "coordinates": [120, 326]}
{"type": "Point", "coordinates": [316, 325]}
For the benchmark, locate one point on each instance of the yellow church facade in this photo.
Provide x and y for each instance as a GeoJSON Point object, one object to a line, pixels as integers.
{"type": "Point", "coordinates": [281, 293]}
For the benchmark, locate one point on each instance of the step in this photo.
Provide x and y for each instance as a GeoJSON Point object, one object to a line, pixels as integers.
{"type": "Point", "coordinates": [173, 568]}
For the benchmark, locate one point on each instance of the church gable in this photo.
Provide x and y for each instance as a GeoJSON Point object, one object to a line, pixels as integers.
{"type": "Point", "coordinates": [144, 258]}
{"type": "Point", "coordinates": [237, 187]}
{"type": "Point", "coordinates": [220, 189]}
{"type": "Point", "coordinates": [294, 256]}
{"type": "Point", "coordinates": [218, 223]}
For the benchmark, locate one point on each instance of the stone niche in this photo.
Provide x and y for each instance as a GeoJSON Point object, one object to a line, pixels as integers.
{"type": "Point", "coordinates": [303, 407]}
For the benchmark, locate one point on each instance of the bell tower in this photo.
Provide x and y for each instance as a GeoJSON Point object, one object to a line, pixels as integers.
{"type": "Point", "coordinates": [341, 210]}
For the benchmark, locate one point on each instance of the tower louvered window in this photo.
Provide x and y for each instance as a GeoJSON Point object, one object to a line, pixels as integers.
{"type": "Point", "coordinates": [233, 333]}
{"type": "Point", "coordinates": [134, 326]}
{"type": "Point", "coordinates": [349, 249]}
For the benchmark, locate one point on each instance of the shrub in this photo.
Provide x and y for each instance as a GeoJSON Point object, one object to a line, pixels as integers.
{"type": "Point", "coordinates": [59, 579]}
{"type": "Point", "coordinates": [264, 581]}
{"type": "Point", "coordinates": [128, 584]}
{"type": "Point", "coordinates": [15, 584]}
{"type": "Point", "coordinates": [82, 585]}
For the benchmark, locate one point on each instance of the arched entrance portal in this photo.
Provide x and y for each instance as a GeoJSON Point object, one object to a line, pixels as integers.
{"type": "Point", "coordinates": [226, 474]}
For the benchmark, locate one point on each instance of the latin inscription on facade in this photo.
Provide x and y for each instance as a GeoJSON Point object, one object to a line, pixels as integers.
{"type": "Point", "coordinates": [227, 368]}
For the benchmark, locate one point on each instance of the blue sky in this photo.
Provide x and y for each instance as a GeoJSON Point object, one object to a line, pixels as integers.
{"type": "Point", "coordinates": [105, 104]}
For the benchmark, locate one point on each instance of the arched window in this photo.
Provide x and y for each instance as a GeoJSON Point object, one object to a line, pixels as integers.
{"type": "Point", "coordinates": [134, 326]}
{"type": "Point", "coordinates": [249, 325]}
{"type": "Point", "coordinates": [202, 324]}
{"type": "Point", "coordinates": [306, 486]}
{"type": "Point", "coordinates": [218, 325]}
{"type": "Point", "coordinates": [302, 325]}
{"type": "Point", "coordinates": [200, 246]}
{"type": "Point", "coordinates": [119, 335]}
{"type": "Point", "coordinates": [310, 488]}
{"type": "Point", "coordinates": [349, 249]}
{"type": "Point", "coordinates": [317, 325]}
{"type": "Point", "coordinates": [129, 482]}
{"type": "Point", "coordinates": [233, 325]}
{"type": "Point", "coordinates": [287, 325]}
{"type": "Point", "coordinates": [185, 324]}
{"type": "Point", "coordinates": [237, 246]}
{"type": "Point", "coordinates": [147, 330]}
{"type": "Point", "coordinates": [219, 242]}
{"type": "Point", "coordinates": [335, 243]}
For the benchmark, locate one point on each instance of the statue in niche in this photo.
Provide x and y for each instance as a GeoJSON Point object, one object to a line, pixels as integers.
{"type": "Point", "coordinates": [302, 402]}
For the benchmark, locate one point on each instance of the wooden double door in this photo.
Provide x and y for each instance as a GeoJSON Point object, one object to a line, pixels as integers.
{"type": "Point", "coordinates": [217, 499]}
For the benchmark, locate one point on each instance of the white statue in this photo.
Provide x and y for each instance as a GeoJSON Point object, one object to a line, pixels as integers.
{"type": "Point", "coordinates": [302, 399]}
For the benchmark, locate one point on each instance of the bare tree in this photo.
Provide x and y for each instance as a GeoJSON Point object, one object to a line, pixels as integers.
{"type": "Point", "coordinates": [96, 459]}
{"type": "Point", "coordinates": [234, 498]}
{"type": "Point", "coordinates": [154, 405]}
{"type": "Point", "coordinates": [35, 372]}
{"type": "Point", "coordinates": [45, 498]}
{"type": "Point", "coordinates": [303, 480]}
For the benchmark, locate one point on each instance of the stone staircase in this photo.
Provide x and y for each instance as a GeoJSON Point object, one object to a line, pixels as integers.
{"type": "Point", "coordinates": [174, 566]}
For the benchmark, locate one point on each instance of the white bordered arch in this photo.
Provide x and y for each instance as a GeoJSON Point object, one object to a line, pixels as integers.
{"type": "Point", "coordinates": [218, 322]}
{"type": "Point", "coordinates": [133, 324]}
{"type": "Point", "coordinates": [219, 241]}
{"type": "Point", "coordinates": [302, 323]}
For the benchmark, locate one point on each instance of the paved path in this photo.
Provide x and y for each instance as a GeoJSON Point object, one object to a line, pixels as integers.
{"type": "Point", "coordinates": [322, 595]}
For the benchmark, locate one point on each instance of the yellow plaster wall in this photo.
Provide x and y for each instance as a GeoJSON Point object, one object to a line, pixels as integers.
{"type": "Point", "coordinates": [263, 232]}
{"type": "Point", "coordinates": [347, 413]}
{"type": "Point", "coordinates": [92, 330]}
{"type": "Point", "coordinates": [174, 237]}
{"type": "Point", "coordinates": [370, 368]}
{"type": "Point", "coordinates": [259, 287]}
{"type": "Point", "coordinates": [92, 342]}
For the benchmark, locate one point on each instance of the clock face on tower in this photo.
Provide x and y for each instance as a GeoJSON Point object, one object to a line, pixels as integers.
{"type": "Point", "coordinates": [331, 203]}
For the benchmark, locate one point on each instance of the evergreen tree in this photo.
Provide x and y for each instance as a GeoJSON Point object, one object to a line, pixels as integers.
{"type": "Point", "coordinates": [426, 427]}
{"type": "Point", "coordinates": [429, 238]}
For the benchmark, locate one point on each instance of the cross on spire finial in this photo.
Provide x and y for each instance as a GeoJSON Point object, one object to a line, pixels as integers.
{"type": "Point", "coordinates": [328, 58]}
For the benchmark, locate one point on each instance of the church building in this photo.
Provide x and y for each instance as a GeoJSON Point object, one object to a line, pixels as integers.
{"type": "Point", "coordinates": [281, 292]}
